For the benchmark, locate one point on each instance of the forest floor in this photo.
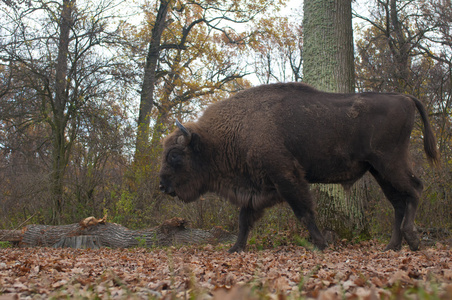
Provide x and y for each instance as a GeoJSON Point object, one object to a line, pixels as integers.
{"type": "Point", "coordinates": [347, 271]}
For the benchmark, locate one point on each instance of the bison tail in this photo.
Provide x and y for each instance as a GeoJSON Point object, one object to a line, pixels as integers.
{"type": "Point", "coordinates": [429, 138]}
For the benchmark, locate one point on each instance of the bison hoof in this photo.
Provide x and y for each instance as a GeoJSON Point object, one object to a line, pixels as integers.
{"type": "Point", "coordinates": [236, 249]}
{"type": "Point", "coordinates": [393, 247]}
{"type": "Point", "coordinates": [412, 239]}
{"type": "Point", "coordinates": [321, 247]}
{"type": "Point", "coordinates": [319, 243]}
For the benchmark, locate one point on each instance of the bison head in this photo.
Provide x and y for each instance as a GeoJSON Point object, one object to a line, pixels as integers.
{"type": "Point", "coordinates": [181, 172]}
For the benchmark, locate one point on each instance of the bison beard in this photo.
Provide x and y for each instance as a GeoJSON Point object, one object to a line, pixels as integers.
{"type": "Point", "coordinates": [266, 144]}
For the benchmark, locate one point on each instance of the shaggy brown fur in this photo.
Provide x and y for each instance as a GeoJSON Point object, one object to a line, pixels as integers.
{"type": "Point", "coordinates": [265, 145]}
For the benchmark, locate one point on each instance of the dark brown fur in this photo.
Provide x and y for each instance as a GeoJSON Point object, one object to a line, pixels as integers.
{"type": "Point", "coordinates": [266, 144]}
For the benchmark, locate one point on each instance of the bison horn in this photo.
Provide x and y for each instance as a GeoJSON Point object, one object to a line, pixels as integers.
{"type": "Point", "coordinates": [182, 128]}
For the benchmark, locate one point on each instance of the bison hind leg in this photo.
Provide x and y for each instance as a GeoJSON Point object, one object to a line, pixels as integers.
{"type": "Point", "coordinates": [403, 190]}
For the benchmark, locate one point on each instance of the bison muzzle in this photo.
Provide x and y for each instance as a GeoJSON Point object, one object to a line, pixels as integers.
{"type": "Point", "coordinates": [266, 144]}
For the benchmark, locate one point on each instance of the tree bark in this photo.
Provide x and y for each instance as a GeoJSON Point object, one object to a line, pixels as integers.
{"type": "Point", "coordinates": [95, 233]}
{"type": "Point", "coordinates": [149, 80]}
{"type": "Point", "coordinates": [400, 49]}
{"type": "Point", "coordinates": [329, 66]}
{"type": "Point", "coordinates": [328, 45]}
{"type": "Point", "coordinates": [61, 147]}
{"type": "Point", "coordinates": [13, 236]}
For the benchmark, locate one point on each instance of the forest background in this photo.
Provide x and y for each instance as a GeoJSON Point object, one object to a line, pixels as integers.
{"type": "Point", "coordinates": [87, 91]}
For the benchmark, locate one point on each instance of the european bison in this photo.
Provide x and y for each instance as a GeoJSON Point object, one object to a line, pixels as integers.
{"type": "Point", "coordinates": [266, 144]}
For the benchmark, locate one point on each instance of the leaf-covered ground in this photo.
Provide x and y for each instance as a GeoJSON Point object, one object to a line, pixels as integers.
{"type": "Point", "coordinates": [353, 271]}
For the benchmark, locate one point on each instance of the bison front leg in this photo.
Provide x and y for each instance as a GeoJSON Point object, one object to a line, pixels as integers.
{"type": "Point", "coordinates": [296, 192]}
{"type": "Point", "coordinates": [247, 218]}
{"type": "Point", "coordinates": [307, 216]}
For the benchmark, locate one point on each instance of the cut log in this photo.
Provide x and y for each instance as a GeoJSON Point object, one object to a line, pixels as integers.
{"type": "Point", "coordinates": [79, 242]}
{"type": "Point", "coordinates": [13, 236]}
{"type": "Point", "coordinates": [93, 233]}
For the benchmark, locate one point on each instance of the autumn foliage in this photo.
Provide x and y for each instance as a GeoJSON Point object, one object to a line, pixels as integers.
{"type": "Point", "coordinates": [67, 147]}
{"type": "Point", "coordinates": [348, 271]}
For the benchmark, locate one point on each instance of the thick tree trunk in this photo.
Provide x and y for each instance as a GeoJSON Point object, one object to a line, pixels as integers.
{"type": "Point", "coordinates": [94, 233]}
{"type": "Point", "coordinates": [328, 45]}
{"type": "Point", "coordinates": [328, 64]}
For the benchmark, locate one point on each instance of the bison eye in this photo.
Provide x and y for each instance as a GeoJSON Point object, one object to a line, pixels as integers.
{"type": "Point", "coordinates": [174, 158]}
